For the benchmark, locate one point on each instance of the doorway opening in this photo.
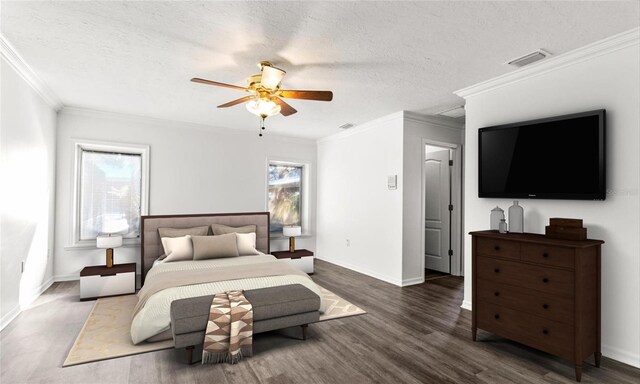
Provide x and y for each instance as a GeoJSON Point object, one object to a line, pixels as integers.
{"type": "Point", "coordinates": [442, 197]}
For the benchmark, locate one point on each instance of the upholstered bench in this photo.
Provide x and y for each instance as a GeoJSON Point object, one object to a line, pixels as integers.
{"type": "Point", "coordinates": [273, 308]}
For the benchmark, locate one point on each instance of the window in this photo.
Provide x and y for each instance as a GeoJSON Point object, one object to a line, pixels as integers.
{"type": "Point", "coordinates": [286, 195]}
{"type": "Point", "coordinates": [111, 190]}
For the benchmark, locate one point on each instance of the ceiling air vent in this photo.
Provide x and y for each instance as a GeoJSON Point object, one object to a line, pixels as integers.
{"type": "Point", "coordinates": [346, 126]}
{"type": "Point", "coordinates": [529, 58]}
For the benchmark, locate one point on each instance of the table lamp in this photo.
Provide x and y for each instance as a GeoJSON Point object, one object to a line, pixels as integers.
{"type": "Point", "coordinates": [109, 242]}
{"type": "Point", "coordinates": [292, 231]}
{"type": "Point", "coordinates": [111, 227]}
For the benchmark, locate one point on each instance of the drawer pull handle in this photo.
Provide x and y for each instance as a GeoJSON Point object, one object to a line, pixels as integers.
{"type": "Point", "coordinates": [545, 306]}
{"type": "Point", "coordinates": [496, 294]}
{"type": "Point", "coordinates": [107, 274]}
{"type": "Point", "coordinates": [545, 332]}
{"type": "Point", "coordinates": [497, 248]}
{"type": "Point", "coordinates": [545, 280]}
{"type": "Point", "coordinates": [545, 255]}
{"type": "Point", "coordinates": [497, 317]}
{"type": "Point", "coordinates": [497, 270]}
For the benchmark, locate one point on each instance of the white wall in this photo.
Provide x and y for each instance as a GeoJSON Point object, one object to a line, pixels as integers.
{"type": "Point", "coordinates": [27, 139]}
{"type": "Point", "coordinates": [417, 130]}
{"type": "Point", "coordinates": [193, 169]}
{"type": "Point", "coordinates": [603, 75]}
{"type": "Point", "coordinates": [354, 202]}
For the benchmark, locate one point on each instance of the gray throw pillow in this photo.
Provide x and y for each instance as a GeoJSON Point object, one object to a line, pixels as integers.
{"type": "Point", "coordinates": [219, 229]}
{"type": "Point", "coordinates": [212, 247]}
{"type": "Point", "coordinates": [179, 232]}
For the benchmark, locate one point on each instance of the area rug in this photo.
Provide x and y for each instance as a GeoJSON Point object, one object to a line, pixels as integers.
{"type": "Point", "coordinates": [105, 334]}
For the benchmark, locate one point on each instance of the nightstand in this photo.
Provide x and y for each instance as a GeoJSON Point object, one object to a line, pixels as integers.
{"type": "Point", "coordinates": [300, 258]}
{"type": "Point", "coordinates": [99, 281]}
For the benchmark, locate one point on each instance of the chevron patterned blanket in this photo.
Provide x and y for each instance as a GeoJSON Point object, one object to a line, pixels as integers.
{"type": "Point", "coordinates": [229, 333]}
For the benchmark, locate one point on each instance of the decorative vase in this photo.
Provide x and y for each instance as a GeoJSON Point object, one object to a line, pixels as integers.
{"type": "Point", "coordinates": [516, 218]}
{"type": "Point", "coordinates": [502, 228]}
{"type": "Point", "coordinates": [497, 214]}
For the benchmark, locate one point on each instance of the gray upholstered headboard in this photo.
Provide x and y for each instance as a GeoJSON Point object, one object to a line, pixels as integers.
{"type": "Point", "coordinates": [151, 247]}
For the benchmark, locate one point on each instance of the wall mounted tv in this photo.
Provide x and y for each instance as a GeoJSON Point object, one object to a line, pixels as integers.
{"type": "Point", "coordinates": [561, 157]}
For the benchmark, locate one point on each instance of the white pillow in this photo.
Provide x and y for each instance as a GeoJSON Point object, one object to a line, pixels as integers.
{"type": "Point", "coordinates": [177, 248]}
{"type": "Point", "coordinates": [246, 244]}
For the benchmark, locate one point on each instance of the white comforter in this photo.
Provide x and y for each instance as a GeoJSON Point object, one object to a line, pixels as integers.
{"type": "Point", "coordinates": [155, 317]}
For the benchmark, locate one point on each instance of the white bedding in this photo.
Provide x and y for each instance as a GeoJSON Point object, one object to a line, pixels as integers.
{"type": "Point", "coordinates": [155, 317]}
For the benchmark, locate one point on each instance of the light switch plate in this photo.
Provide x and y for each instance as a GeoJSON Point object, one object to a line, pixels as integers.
{"type": "Point", "coordinates": [392, 182]}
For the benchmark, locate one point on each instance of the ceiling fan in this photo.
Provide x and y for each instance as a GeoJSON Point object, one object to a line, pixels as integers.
{"type": "Point", "coordinates": [265, 97]}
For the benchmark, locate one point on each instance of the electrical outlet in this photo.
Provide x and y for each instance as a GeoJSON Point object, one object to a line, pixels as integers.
{"type": "Point", "coordinates": [348, 243]}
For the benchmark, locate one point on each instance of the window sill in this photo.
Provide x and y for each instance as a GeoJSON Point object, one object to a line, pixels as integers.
{"type": "Point", "coordinates": [91, 244]}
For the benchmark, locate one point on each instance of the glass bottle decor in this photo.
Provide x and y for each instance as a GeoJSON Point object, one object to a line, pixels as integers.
{"type": "Point", "coordinates": [516, 218]}
{"type": "Point", "coordinates": [502, 228]}
{"type": "Point", "coordinates": [497, 214]}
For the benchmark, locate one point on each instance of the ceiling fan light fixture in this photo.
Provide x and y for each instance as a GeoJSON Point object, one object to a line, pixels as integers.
{"type": "Point", "coordinates": [271, 77]}
{"type": "Point", "coordinates": [263, 108]}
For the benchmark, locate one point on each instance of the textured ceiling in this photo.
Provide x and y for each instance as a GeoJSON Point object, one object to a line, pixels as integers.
{"type": "Point", "coordinates": [377, 57]}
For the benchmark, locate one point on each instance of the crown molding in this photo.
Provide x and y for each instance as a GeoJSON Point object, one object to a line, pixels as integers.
{"type": "Point", "coordinates": [402, 116]}
{"type": "Point", "coordinates": [361, 128]}
{"type": "Point", "coordinates": [611, 44]}
{"type": "Point", "coordinates": [435, 120]}
{"type": "Point", "coordinates": [13, 58]}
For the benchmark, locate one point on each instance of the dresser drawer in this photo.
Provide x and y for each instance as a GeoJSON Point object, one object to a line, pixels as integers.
{"type": "Point", "coordinates": [100, 286]}
{"type": "Point", "coordinates": [305, 264]}
{"type": "Point", "coordinates": [498, 248]}
{"type": "Point", "coordinates": [548, 255]}
{"type": "Point", "coordinates": [553, 281]}
{"type": "Point", "coordinates": [537, 303]}
{"type": "Point", "coordinates": [544, 334]}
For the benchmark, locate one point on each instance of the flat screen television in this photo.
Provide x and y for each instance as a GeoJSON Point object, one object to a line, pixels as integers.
{"type": "Point", "coordinates": [561, 157]}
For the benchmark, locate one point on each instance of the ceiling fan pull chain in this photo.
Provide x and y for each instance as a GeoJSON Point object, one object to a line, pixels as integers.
{"type": "Point", "coordinates": [261, 125]}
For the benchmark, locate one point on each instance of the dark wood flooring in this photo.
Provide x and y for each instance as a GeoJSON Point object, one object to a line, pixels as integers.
{"type": "Point", "coordinates": [416, 334]}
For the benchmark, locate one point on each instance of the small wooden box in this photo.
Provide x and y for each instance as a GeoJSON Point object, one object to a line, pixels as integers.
{"type": "Point", "coordinates": [562, 222]}
{"type": "Point", "coordinates": [566, 233]}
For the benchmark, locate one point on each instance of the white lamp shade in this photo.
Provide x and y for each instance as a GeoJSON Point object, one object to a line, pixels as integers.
{"type": "Point", "coordinates": [271, 77]}
{"type": "Point", "coordinates": [109, 241]}
{"type": "Point", "coordinates": [292, 231]}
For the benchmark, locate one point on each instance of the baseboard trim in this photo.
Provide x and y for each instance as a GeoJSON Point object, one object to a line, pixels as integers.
{"type": "Point", "coordinates": [466, 304]}
{"type": "Point", "coordinates": [626, 357]}
{"type": "Point", "coordinates": [36, 293]}
{"type": "Point", "coordinates": [71, 277]}
{"type": "Point", "coordinates": [364, 271]}
{"type": "Point", "coordinates": [9, 317]}
{"type": "Point", "coordinates": [412, 281]}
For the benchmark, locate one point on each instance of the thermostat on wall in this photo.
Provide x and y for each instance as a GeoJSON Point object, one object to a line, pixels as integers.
{"type": "Point", "coordinates": [392, 182]}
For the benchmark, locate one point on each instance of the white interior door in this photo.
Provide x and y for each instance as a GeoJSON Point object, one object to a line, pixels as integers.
{"type": "Point", "coordinates": [437, 215]}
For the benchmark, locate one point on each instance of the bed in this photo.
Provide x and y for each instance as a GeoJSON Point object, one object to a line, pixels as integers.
{"type": "Point", "coordinates": [151, 320]}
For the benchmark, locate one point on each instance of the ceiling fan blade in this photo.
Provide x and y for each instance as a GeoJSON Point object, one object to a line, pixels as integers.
{"type": "Point", "coordinates": [271, 77]}
{"type": "Point", "coordinates": [235, 102]}
{"type": "Point", "coordinates": [210, 82]}
{"type": "Point", "coordinates": [307, 95]}
{"type": "Point", "coordinates": [285, 109]}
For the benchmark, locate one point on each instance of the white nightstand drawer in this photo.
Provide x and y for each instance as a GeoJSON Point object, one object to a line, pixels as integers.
{"type": "Point", "coordinates": [99, 286]}
{"type": "Point", "coordinates": [305, 264]}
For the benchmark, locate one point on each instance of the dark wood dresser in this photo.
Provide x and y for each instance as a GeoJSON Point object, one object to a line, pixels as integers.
{"type": "Point", "coordinates": [538, 291]}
